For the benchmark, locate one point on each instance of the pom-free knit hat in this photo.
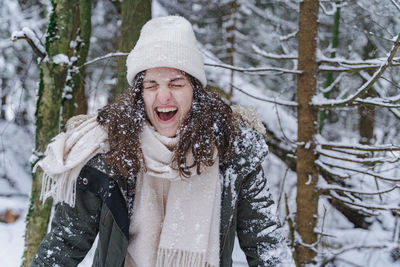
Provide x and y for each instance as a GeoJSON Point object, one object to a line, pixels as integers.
{"type": "Point", "coordinates": [166, 42]}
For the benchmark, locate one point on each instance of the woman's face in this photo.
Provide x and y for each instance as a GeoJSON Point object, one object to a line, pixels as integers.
{"type": "Point", "coordinates": [167, 95]}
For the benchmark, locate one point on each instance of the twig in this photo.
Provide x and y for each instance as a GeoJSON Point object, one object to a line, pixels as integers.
{"type": "Point", "coordinates": [268, 99]}
{"type": "Point", "coordinates": [357, 160]}
{"type": "Point", "coordinates": [349, 248]}
{"type": "Point", "coordinates": [363, 205]}
{"type": "Point", "coordinates": [366, 86]}
{"type": "Point", "coordinates": [281, 128]}
{"type": "Point", "coordinates": [387, 147]}
{"type": "Point", "coordinates": [28, 35]}
{"type": "Point", "coordinates": [116, 54]}
{"type": "Point", "coordinates": [272, 56]}
{"type": "Point", "coordinates": [333, 84]}
{"type": "Point", "coordinates": [281, 187]}
{"type": "Point", "coordinates": [344, 189]}
{"type": "Point", "coordinates": [363, 172]}
{"type": "Point", "coordinates": [253, 70]}
{"type": "Point", "coordinates": [397, 5]}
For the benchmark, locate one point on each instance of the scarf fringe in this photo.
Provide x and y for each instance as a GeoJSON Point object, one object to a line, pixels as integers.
{"type": "Point", "coordinates": [176, 258]}
{"type": "Point", "coordinates": [61, 189]}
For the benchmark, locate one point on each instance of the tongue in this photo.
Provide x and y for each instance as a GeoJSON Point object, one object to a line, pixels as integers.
{"type": "Point", "coordinates": [166, 115]}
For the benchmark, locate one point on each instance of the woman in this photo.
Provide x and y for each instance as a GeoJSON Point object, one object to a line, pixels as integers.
{"type": "Point", "coordinates": [166, 176]}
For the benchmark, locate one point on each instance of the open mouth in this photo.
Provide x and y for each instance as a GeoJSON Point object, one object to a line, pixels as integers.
{"type": "Point", "coordinates": [166, 114]}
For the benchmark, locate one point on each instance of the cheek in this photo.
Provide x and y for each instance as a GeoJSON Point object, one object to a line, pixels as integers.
{"type": "Point", "coordinates": [148, 103]}
{"type": "Point", "coordinates": [187, 100]}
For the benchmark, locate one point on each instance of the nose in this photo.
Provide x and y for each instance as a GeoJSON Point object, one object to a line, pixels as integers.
{"type": "Point", "coordinates": [164, 94]}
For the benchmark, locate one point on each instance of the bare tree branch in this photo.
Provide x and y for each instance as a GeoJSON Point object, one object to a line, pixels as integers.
{"type": "Point", "coordinates": [116, 54]}
{"type": "Point", "coordinates": [358, 171]}
{"type": "Point", "coordinates": [272, 56]}
{"type": "Point", "coordinates": [344, 189]}
{"type": "Point", "coordinates": [358, 160]}
{"type": "Point", "coordinates": [397, 5]}
{"type": "Point", "coordinates": [349, 248]}
{"type": "Point", "coordinates": [268, 99]}
{"type": "Point", "coordinates": [363, 205]}
{"type": "Point", "coordinates": [254, 70]}
{"type": "Point", "coordinates": [366, 86]}
{"type": "Point", "coordinates": [387, 147]}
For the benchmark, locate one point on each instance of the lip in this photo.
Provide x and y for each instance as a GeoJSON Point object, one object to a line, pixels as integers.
{"type": "Point", "coordinates": [165, 106]}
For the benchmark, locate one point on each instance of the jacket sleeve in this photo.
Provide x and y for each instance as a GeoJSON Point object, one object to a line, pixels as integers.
{"type": "Point", "coordinates": [73, 231]}
{"type": "Point", "coordinates": [258, 227]}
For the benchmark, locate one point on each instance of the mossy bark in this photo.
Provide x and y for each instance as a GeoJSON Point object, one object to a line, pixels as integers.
{"type": "Point", "coordinates": [49, 112]}
{"type": "Point", "coordinates": [74, 98]}
{"type": "Point", "coordinates": [307, 174]}
{"type": "Point", "coordinates": [134, 14]}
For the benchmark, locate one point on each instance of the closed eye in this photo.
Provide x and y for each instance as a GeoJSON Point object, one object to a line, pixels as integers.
{"type": "Point", "coordinates": [177, 85]}
{"type": "Point", "coordinates": [150, 87]}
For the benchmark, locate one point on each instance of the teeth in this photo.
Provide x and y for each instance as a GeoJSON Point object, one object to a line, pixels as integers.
{"type": "Point", "coordinates": [166, 109]}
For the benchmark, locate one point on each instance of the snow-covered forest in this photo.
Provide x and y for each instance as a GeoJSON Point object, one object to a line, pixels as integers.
{"type": "Point", "coordinates": [324, 77]}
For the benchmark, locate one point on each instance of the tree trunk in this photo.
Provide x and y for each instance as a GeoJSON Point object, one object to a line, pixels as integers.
{"type": "Point", "coordinates": [367, 112]}
{"type": "Point", "coordinates": [74, 99]}
{"type": "Point", "coordinates": [134, 14]}
{"type": "Point", "coordinates": [307, 175]}
{"type": "Point", "coordinates": [231, 39]}
{"type": "Point", "coordinates": [53, 78]}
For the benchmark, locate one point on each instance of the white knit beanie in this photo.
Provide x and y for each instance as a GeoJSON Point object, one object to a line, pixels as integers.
{"type": "Point", "coordinates": [166, 42]}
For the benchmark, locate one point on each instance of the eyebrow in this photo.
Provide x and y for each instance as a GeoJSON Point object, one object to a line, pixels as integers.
{"type": "Point", "coordinates": [176, 79]}
{"type": "Point", "coordinates": [149, 81]}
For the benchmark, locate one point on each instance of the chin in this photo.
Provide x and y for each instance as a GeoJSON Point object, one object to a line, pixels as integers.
{"type": "Point", "coordinates": [167, 132]}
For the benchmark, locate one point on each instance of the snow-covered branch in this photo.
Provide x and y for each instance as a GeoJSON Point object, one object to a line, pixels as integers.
{"type": "Point", "coordinates": [354, 247]}
{"type": "Point", "coordinates": [397, 5]}
{"type": "Point", "coordinates": [379, 102]}
{"type": "Point", "coordinates": [331, 171]}
{"type": "Point", "coordinates": [268, 99]}
{"type": "Point", "coordinates": [321, 103]}
{"type": "Point", "coordinates": [344, 189]}
{"type": "Point", "coordinates": [358, 171]}
{"type": "Point", "coordinates": [386, 147]}
{"type": "Point", "coordinates": [252, 70]}
{"type": "Point", "coordinates": [116, 54]}
{"type": "Point", "coordinates": [333, 84]}
{"type": "Point", "coordinates": [363, 204]}
{"type": "Point", "coordinates": [32, 40]}
{"type": "Point", "coordinates": [271, 55]}
{"type": "Point", "coordinates": [356, 159]}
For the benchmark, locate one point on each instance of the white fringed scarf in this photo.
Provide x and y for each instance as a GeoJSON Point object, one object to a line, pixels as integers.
{"type": "Point", "coordinates": [66, 155]}
{"type": "Point", "coordinates": [175, 221]}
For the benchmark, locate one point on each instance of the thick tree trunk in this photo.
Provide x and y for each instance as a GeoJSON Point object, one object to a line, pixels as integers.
{"type": "Point", "coordinates": [74, 99]}
{"type": "Point", "coordinates": [134, 14]}
{"type": "Point", "coordinates": [307, 174]}
{"type": "Point", "coordinates": [49, 107]}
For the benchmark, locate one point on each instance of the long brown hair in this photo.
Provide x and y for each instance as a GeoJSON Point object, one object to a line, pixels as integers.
{"type": "Point", "coordinates": [209, 125]}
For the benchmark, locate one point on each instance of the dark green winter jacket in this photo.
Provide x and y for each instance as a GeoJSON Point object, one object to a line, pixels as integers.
{"type": "Point", "coordinates": [101, 208]}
